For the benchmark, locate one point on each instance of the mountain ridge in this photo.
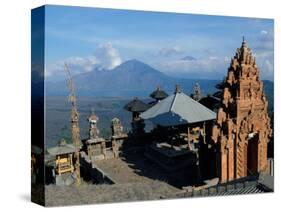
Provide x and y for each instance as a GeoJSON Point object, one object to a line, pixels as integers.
{"type": "Point", "coordinates": [131, 78]}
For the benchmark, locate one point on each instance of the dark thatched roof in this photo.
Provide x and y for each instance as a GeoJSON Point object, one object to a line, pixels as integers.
{"type": "Point", "coordinates": [210, 102]}
{"type": "Point", "coordinates": [158, 94]}
{"type": "Point", "coordinates": [218, 94]}
{"type": "Point", "coordinates": [136, 105]}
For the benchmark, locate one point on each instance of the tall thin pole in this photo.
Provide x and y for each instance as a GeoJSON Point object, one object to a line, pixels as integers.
{"type": "Point", "coordinates": [75, 130]}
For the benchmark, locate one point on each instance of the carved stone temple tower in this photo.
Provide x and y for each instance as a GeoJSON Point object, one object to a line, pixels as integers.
{"type": "Point", "coordinates": [242, 128]}
{"type": "Point", "coordinates": [196, 95]}
{"type": "Point", "coordinates": [93, 129]}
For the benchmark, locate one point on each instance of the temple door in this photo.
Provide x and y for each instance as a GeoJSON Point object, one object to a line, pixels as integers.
{"type": "Point", "coordinates": [252, 155]}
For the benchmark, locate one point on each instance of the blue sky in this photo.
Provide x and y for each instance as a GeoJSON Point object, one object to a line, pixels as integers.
{"type": "Point", "coordinates": [87, 38]}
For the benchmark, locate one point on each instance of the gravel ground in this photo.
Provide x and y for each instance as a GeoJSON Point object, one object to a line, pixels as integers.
{"type": "Point", "coordinates": [136, 179]}
{"type": "Point", "coordinates": [90, 193]}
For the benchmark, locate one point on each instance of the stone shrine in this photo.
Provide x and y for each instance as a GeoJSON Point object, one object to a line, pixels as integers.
{"type": "Point", "coordinates": [196, 95]}
{"type": "Point", "coordinates": [118, 135]}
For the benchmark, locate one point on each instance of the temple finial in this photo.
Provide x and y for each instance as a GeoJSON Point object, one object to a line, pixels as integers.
{"type": "Point", "coordinates": [178, 89]}
{"type": "Point", "coordinates": [244, 42]}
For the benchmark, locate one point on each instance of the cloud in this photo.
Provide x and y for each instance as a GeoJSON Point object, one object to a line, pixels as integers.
{"type": "Point", "coordinates": [264, 41]}
{"type": "Point", "coordinates": [263, 49]}
{"type": "Point", "coordinates": [171, 51]}
{"type": "Point", "coordinates": [213, 58]}
{"type": "Point", "coordinates": [76, 64]}
{"type": "Point", "coordinates": [213, 64]}
{"type": "Point", "coordinates": [105, 57]}
{"type": "Point", "coordinates": [264, 32]}
{"type": "Point", "coordinates": [199, 68]}
{"type": "Point", "coordinates": [266, 65]}
{"type": "Point", "coordinates": [269, 65]}
{"type": "Point", "coordinates": [176, 62]}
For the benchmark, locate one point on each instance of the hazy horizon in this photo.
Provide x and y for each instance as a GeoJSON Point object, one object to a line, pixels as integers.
{"type": "Point", "coordinates": [179, 45]}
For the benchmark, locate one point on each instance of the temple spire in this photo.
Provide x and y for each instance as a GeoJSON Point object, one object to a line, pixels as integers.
{"type": "Point", "coordinates": [244, 44]}
{"type": "Point", "coordinates": [196, 92]}
{"type": "Point", "coordinates": [250, 121]}
{"type": "Point", "coordinates": [178, 89]}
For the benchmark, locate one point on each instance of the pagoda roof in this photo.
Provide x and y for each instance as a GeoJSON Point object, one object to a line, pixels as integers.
{"type": "Point", "coordinates": [178, 109]}
{"type": "Point", "coordinates": [95, 140]}
{"type": "Point", "coordinates": [218, 94]}
{"type": "Point", "coordinates": [136, 105]}
{"type": "Point", "coordinates": [93, 117]}
{"type": "Point", "coordinates": [210, 102]}
{"type": "Point", "coordinates": [158, 94]}
{"type": "Point", "coordinates": [62, 148]}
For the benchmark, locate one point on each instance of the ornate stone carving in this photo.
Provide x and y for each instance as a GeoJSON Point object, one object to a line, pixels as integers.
{"type": "Point", "coordinates": [242, 129]}
{"type": "Point", "coordinates": [93, 131]}
{"type": "Point", "coordinates": [116, 127]}
{"type": "Point", "coordinates": [196, 92]}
